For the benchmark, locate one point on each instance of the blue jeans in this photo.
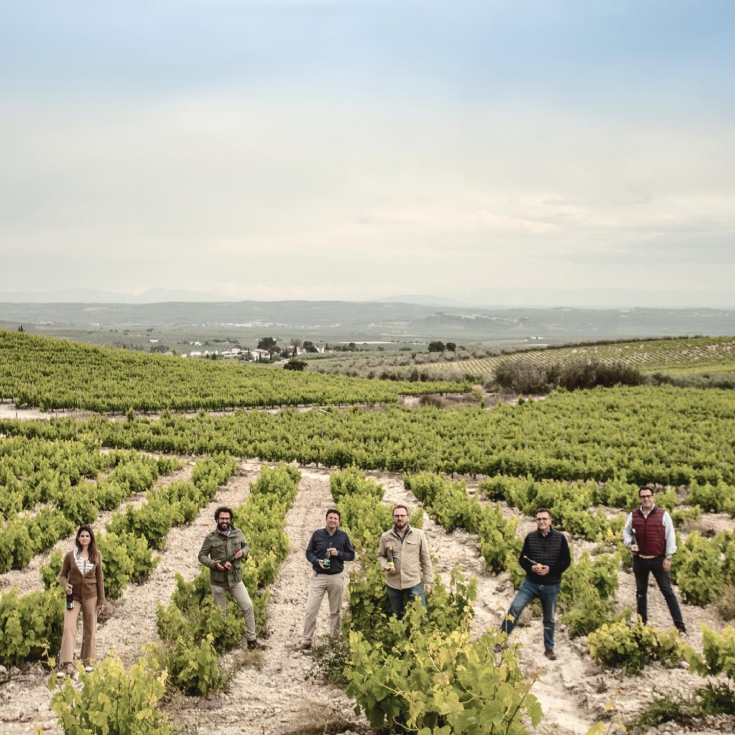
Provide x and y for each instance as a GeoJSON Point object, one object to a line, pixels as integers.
{"type": "Point", "coordinates": [398, 598]}
{"type": "Point", "coordinates": [528, 591]}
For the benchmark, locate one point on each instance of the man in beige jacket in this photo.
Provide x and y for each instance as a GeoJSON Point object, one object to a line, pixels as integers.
{"type": "Point", "coordinates": [404, 555]}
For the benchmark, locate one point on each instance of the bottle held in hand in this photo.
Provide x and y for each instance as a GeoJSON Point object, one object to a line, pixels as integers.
{"type": "Point", "coordinates": [389, 555]}
{"type": "Point", "coordinates": [634, 544]}
{"type": "Point", "coordinates": [327, 561]}
{"type": "Point", "coordinates": [69, 597]}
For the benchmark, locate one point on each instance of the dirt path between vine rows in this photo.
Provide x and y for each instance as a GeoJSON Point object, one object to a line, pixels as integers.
{"type": "Point", "coordinates": [131, 620]}
{"type": "Point", "coordinates": [494, 594]}
{"type": "Point", "coordinates": [281, 696]}
{"type": "Point", "coordinates": [29, 579]}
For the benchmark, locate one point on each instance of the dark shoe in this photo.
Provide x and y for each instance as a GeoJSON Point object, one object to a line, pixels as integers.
{"type": "Point", "coordinates": [549, 653]}
{"type": "Point", "coordinates": [305, 647]}
{"type": "Point", "coordinates": [256, 646]}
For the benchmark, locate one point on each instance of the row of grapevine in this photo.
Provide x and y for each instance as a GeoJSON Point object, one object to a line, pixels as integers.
{"type": "Point", "coordinates": [675, 354]}
{"type": "Point", "coordinates": [192, 628]}
{"type": "Point", "coordinates": [31, 625]}
{"type": "Point", "coordinates": [33, 472]}
{"type": "Point", "coordinates": [56, 374]}
{"type": "Point", "coordinates": [593, 435]}
{"type": "Point", "coordinates": [24, 536]}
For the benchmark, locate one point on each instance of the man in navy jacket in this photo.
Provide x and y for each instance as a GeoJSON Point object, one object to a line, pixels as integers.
{"type": "Point", "coordinates": [328, 550]}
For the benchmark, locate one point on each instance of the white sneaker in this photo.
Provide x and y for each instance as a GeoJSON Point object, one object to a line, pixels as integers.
{"type": "Point", "coordinates": [65, 670]}
{"type": "Point", "coordinates": [88, 668]}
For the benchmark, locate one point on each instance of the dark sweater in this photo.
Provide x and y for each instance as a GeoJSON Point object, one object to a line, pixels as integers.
{"type": "Point", "coordinates": [551, 550]}
{"type": "Point", "coordinates": [317, 549]}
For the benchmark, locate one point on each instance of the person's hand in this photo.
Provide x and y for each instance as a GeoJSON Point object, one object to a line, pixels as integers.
{"type": "Point", "coordinates": [68, 589]}
{"type": "Point", "coordinates": [228, 565]}
{"type": "Point", "coordinates": [320, 563]}
{"type": "Point", "coordinates": [667, 565]}
{"type": "Point", "coordinates": [100, 608]}
{"type": "Point", "coordinates": [218, 566]}
{"type": "Point", "coordinates": [332, 551]}
{"type": "Point", "coordinates": [392, 570]}
{"type": "Point", "coordinates": [428, 588]}
{"type": "Point", "coordinates": [238, 554]}
{"type": "Point", "coordinates": [542, 570]}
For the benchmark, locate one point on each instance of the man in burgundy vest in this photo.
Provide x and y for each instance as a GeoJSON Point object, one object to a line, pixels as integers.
{"type": "Point", "coordinates": [649, 534]}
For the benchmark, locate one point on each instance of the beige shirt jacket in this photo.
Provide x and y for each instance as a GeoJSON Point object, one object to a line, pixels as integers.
{"type": "Point", "coordinates": [410, 555]}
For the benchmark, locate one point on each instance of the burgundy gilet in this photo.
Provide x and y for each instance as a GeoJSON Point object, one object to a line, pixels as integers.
{"type": "Point", "coordinates": [650, 532]}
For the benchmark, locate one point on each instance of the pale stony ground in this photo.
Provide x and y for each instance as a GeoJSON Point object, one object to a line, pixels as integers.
{"type": "Point", "coordinates": [282, 695]}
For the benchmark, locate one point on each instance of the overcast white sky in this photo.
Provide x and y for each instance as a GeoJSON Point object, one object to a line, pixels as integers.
{"type": "Point", "coordinates": [353, 150]}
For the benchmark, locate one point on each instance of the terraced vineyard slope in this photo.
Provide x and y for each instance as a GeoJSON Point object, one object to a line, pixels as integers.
{"type": "Point", "coordinates": [670, 355]}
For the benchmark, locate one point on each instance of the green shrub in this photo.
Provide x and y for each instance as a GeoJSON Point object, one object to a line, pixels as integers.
{"type": "Point", "coordinates": [353, 482]}
{"type": "Point", "coordinates": [117, 566]}
{"type": "Point", "coordinates": [113, 701]}
{"type": "Point", "coordinates": [632, 647]}
{"type": "Point", "coordinates": [587, 593]}
{"type": "Point", "coordinates": [51, 570]}
{"type": "Point", "coordinates": [30, 625]}
{"type": "Point", "coordinates": [712, 498]}
{"type": "Point", "coordinates": [434, 682]}
{"type": "Point", "coordinates": [193, 668]}
{"type": "Point", "coordinates": [697, 571]}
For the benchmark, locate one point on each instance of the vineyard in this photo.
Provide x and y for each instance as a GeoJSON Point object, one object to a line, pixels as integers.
{"type": "Point", "coordinates": [471, 477]}
{"type": "Point", "coordinates": [54, 374]}
{"type": "Point", "coordinates": [675, 355]}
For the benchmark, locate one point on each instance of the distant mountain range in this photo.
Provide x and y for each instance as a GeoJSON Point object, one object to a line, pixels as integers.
{"type": "Point", "coordinates": [487, 298]}
{"type": "Point", "coordinates": [401, 322]}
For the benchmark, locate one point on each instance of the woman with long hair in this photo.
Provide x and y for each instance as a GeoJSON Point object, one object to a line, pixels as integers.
{"type": "Point", "coordinates": [81, 578]}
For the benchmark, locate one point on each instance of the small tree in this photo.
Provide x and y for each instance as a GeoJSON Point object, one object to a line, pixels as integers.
{"type": "Point", "coordinates": [299, 365]}
{"type": "Point", "coordinates": [451, 347]}
{"type": "Point", "coordinates": [437, 346]}
{"type": "Point", "coordinates": [269, 344]}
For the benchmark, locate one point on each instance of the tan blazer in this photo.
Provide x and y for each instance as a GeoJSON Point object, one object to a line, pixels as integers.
{"type": "Point", "coordinates": [87, 586]}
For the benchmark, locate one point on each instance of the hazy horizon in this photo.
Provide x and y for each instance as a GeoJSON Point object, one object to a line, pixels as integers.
{"type": "Point", "coordinates": [600, 299]}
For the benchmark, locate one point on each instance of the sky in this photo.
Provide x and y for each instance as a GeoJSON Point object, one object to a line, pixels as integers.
{"type": "Point", "coordinates": [340, 149]}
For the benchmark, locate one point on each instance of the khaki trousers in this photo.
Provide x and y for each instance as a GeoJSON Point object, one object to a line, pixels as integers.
{"type": "Point", "coordinates": [242, 598]}
{"type": "Point", "coordinates": [89, 623]}
{"type": "Point", "coordinates": [333, 585]}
